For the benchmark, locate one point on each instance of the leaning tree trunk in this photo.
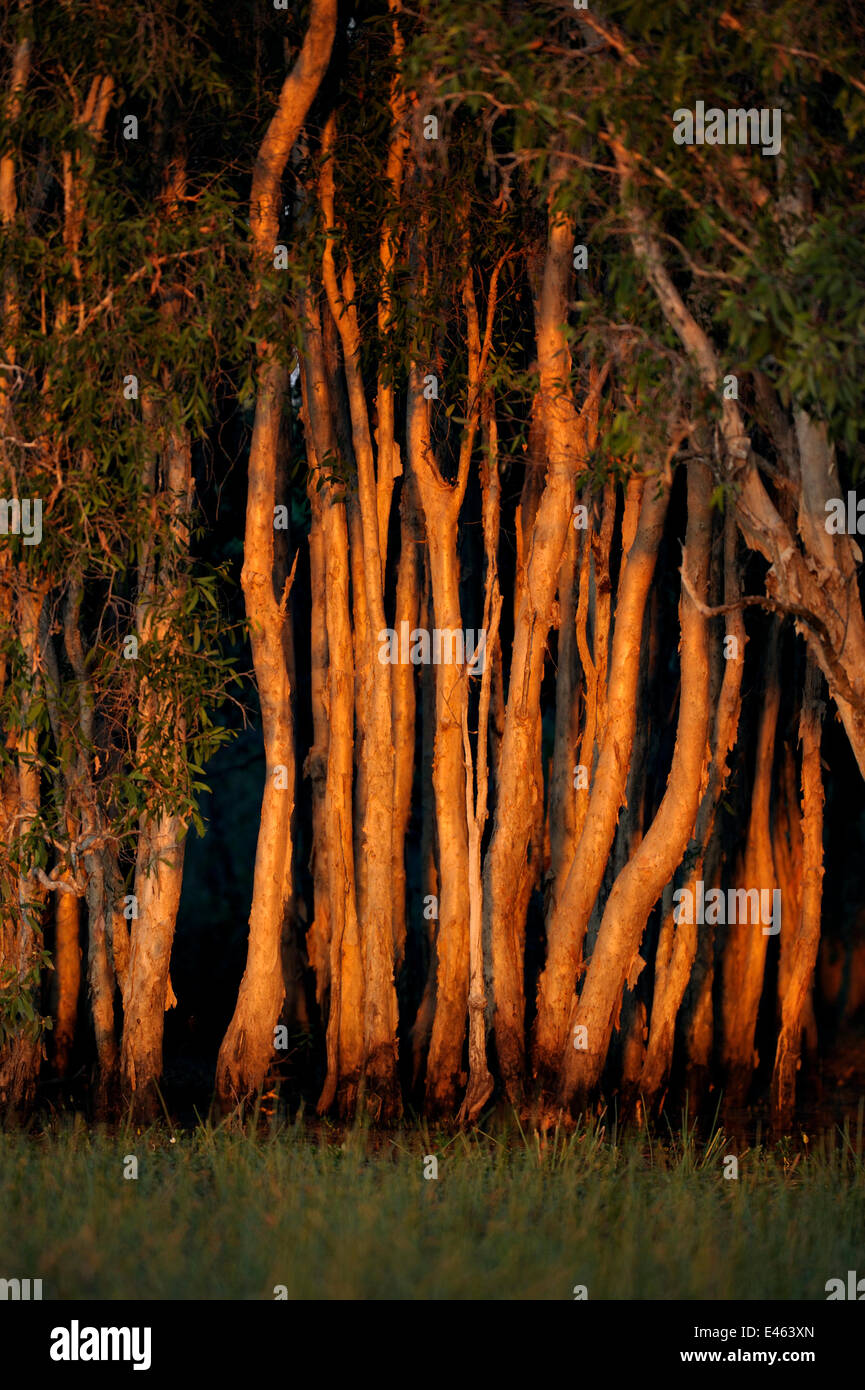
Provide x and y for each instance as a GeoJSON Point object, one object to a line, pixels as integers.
{"type": "Point", "coordinates": [677, 945]}
{"type": "Point", "coordinates": [615, 962]}
{"type": "Point", "coordinates": [567, 926]}
{"type": "Point", "coordinates": [814, 582]}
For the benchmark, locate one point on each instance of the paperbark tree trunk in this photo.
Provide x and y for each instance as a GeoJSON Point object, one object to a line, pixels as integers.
{"type": "Point", "coordinates": [677, 946]}
{"type": "Point", "coordinates": [746, 943]}
{"type": "Point", "coordinates": [381, 1080]}
{"type": "Point", "coordinates": [315, 767]}
{"type": "Point", "coordinates": [67, 966]}
{"type": "Point", "coordinates": [441, 505]}
{"type": "Point", "coordinates": [814, 582]}
{"type": "Point", "coordinates": [404, 699]}
{"type": "Point", "coordinates": [567, 927]}
{"type": "Point", "coordinates": [147, 991]}
{"type": "Point", "coordinates": [807, 939]}
{"type": "Point", "coordinates": [566, 443]}
{"type": "Point", "coordinates": [345, 1038]}
{"type": "Point", "coordinates": [100, 868]}
{"type": "Point", "coordinates": [247, 1048]}
{"type": "Point", "coordinates": [615, 960]}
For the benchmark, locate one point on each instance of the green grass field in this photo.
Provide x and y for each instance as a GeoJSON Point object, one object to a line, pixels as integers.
{"type": "Point", "coordinates": [218, 1214]}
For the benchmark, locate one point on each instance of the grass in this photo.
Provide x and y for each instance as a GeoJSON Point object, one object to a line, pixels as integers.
{"type": "Point", "coordinates": [217, 1213]}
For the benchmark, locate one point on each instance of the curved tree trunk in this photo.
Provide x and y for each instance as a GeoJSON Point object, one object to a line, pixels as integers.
{"type": "Point", "coordinates": [566, 443]}
{"type": "Point", "coordinates": [248, 1044]}
{"type": "Point", "coordinates": [381, 1080]}
{"type": "Point", "coordinates": [615, 960]}
{"type": "Point", "coordinates": [677, 947]}
{"type": "Point", "coordinates": [567, 926]}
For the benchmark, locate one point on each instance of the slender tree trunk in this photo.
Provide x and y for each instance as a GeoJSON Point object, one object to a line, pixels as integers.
{"type": "Point", "coordinates": [441, 510]}
{"type": "Point", "coordinates": [563, 794]}
{"type": "Point", "coordinates": [248, 1044]}
{"type": "Point", "coordinates": [566, 442]}
{"type": "Point", "coordinates": [567, 926]}
{"type": "Point", "coordinates": [380, 1007]}
{"type": "Point", "coordinates": [345, 1039]}
{"type": "Point", "coordinates": [615, 961]}
{"type": "Point", "coordinates": [161, 844]}
{"type": "Point", "coordinates": [807, 941]}
{"type": "Point", "coordinates": [677, 946]}
{"type": "Point", "coordinates": [746, 943]}
{"type": "Point", "coordinates": [315, 767]}
{"type": "Point", "coordinates": [100, 965]}
{"type": "Point", "coordinates": [22, 1050]}
{"type": "Point", "coordinates": [422, 1027]}
{"type": "Point", "coordinates": [404, 699]}
{"type": "Point", "coordinates": [67, 966]}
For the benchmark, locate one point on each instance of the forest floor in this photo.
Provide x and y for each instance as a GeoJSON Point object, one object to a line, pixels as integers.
{"type": "Point", "coordinates": [216, 1213]}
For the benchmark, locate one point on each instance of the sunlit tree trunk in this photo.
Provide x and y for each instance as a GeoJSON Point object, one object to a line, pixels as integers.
{"type": "Point", "coordinates": [615, 961]}
{"type": "Point", "coordinates": [566, 442]}
{"type": "Point", "coordinates": [404, 698]}
{"type": "Point", "coordinates": [746, 943]}
{"type": "Point", "coordinates": [677, 945]}
{"type": "Point", "coordinates": [441, 505]}
{"type": "Point", "coordinates": [380, 1007]}
{"type": "Point", "coordinates": [22, 1049]}
{"type": "Point", "coordinates": [247, 1047]}
{"type": "Point", "coordinates": [315, 767]}
{"type": "Point", "coordinates": [807, 938]}
{"type": "Point", "coordinates": [567, 927]}
{"type": "Point", "coordinates": [345, 1037]}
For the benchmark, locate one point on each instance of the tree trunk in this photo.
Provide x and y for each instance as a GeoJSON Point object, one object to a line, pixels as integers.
{"type": "Point", "coordinates": [567, 927]}
{"type": "Point", "coordinates": [22, 1049]}
{"type": "Point", "coordinates": [807, 940]}
{"type": "Point", "coordinates": [147, 989]}
{"type": "Point", "coordinates": [404, 699]}
{"type": "Point", "coordinates": [248, 1044]}
{"type": "Point", "coordinates": [677, 946]}
{"type": "Point", "coordinates": [380, 1009]}
{"type": "Point", "coordinates": [441, 506]}
{"type": "Point", "coordinates": [67, 967]}
{"type": "Point", "coordinates": [746, 943]}
{"type": "Point", "coordinates": [345, 1042]}
{"type": "Point", "coordinates": [566, 444]}
{"type": "Point", "coordinates": [615, 961]}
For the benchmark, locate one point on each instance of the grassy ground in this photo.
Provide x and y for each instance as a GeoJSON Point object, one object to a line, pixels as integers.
{"type": "Point", "coordinates": [221, 1214]}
